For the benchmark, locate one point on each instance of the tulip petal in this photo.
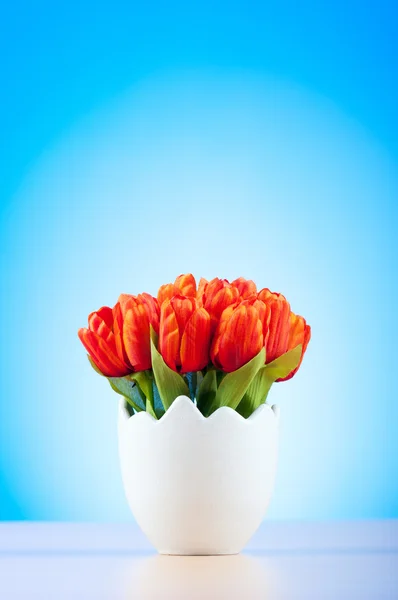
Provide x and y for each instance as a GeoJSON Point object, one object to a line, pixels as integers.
{"type": "Point", "coordinates": [242, 339]}
{"type": "Point", "coordinates": [97, 324]}
{"type": "Point", "coordinates": [169, 335]}
{"type": "Point", "coordinates": [118, 333]}
{"type": "Point", "coordinates": [183, 308]}
{"type": "Point", "coordinates": [279, 325]}
{"type": "Point", "coordinates": [104, 358]}
{"type": "Point", "coordinates": [201, 290]}
{"type": "Point", "coordinates": [264, 314]}
{"type": "Point", "coordinates": [152, 307]}
{"type": "Point", "coordinates": [166, 292]}
{"type": "Point", "coordinates": [218, 336]}
{"type": "Point", "coordinates": [216, 303]}
{"type": "Point", "coordinates": [124, 300]}
{"type": "Point", "coordinates": [105, 313]}
{"type": "Point", "coordinates": [195, 342]}
{"type": "Point", "coordinates": [186, 284]}
{"type": "Point", "coordinates": [246, 287]}
{"type": "Point", "coordinates": [214, 286]}
{"type": "Point", "coordinates": [300, 333]}
{"type": "Point", "coordinates": [136, 337]}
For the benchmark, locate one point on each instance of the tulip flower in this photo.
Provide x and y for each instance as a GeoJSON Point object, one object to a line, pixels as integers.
{"type": "Point", "coordinates": [132, 325]}
{"type": "Point", "coordinates": [184, 285]}
{"type": "Point", "coordinates": [299, 333]}
{"type": "Point", "coordinates": [279, 326]}
{"type": "Point", "coordinates": [184, 334]}
{"type": "Point", "coordinates": [166, 292]}
{"type": "Point", "coordinates": [252, 337]}
{"type": "Point", "coordinates": [150, 304]}
{"type": "Point", "coordinates": [100, 342]}
{"type": "Point", "coordinates": [286, 330]}
{"type": "Point", "coordinates": [246, 287]}
{"type": "Point", "coordinates": [216, 295]}
{"type": "Point", "coordinates": [239, 336]}
{"type": "Point", "coordinates": [187, 285]}
{"type": "Point", "coordinates": [203, 283]}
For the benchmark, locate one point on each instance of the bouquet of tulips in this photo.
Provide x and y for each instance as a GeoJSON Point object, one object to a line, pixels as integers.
{"type": "Point", "coordinates": [219, 343]}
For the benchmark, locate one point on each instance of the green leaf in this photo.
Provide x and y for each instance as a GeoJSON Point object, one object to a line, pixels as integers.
{"type": "Point", "coordinates": [255, 395]}
{"type": "Point", "coordinates": [126, 387]}
{"type": "Point", "coordinates": [283, 365]}
{"type": "Point", "coordinates": [170, 384]}
{"type": "Point", "coordinates": [234, 385]}
{"type": "Point", "coordinates": [157, 402]}
{"type": "Point", "coordinates": [128, 407]}
{"type": "Point", "coordinates": [207, 392]}
{"type": "Point", "coordinates": [144, 381]}
{"type": "Point", "coordinates": [258, 389]}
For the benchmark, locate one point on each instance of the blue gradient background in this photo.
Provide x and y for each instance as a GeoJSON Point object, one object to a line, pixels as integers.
{"type": "Point", "coordinates": [142, 141]}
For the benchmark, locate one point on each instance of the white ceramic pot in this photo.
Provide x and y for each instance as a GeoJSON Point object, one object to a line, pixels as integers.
{"type": "Point", "coordinates": [198, 485]}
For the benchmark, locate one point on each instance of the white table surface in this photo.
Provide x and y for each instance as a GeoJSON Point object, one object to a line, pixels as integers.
{"type": "Point", "coordinates": [339, 560]}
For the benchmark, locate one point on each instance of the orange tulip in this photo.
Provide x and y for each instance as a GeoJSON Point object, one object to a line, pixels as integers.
{"type": "Point", "coordinates": [299, 333]}
{"type": "Point", "coordinates": [203, 283]}
{"type": "Point", "coordinates": [184, 334]}
{"type": "Point", "coordinates": [132, 329]}
{"type": "Point", "coordinates": [239, 336]}
{"type": "Point", "coordinates": [150, 304]}
{"type": "Point", "coordinates": [216, 295]}
{"type": "Point", "coordinates": [100, 342]}
{"type": "Point", "coordinates": [246, 287]}
{"type": "Point", "coordinates": [278, 338]}
{"type": "Point", "coordinates": [166, 292]}
{"type": "Point", "coordinates": [286, 330]}
{"type": "Point", "coordinates": [184, 285]}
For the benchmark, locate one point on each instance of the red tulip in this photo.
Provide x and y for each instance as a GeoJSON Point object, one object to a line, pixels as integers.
{"type": "Point", "coordinates": [216, 295]}
{"type": "Point", "coordinates": [100, 342]}
{"type": "Point", "coordinates": [184, 335]}
{"type": "Point", "coordinates": [239, 336]}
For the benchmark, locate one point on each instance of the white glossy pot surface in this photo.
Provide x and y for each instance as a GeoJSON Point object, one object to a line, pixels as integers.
{"type": "Point", "coordinates": [198, 485]}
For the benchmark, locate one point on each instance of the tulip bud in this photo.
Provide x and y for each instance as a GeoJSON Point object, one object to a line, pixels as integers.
{"type": "Point", "coordinates": [99, 341]}
{"type": "Point", "coordinates": [279, 324]}
{"type": "Point", "coordinates": [186, 285]}
{"type": "Point", "coordinates": [286, 330]}
{"type": "Point", "coordinates": [184, 334]}
{"type": "Point", "coordinates": [246, 287]}
{"type": "Point", "coordinates": [299, 333]}
{"type": "Point", "coordinates": [216, 296]}
{"type": "Point", "coordinates": [238, 337]}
